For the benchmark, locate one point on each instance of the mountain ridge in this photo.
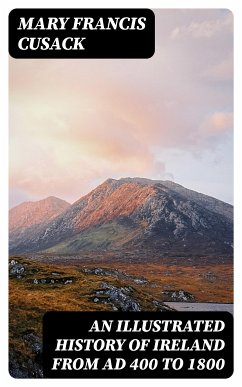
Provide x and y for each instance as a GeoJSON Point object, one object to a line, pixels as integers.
{"type": "Point", "coordinates": [34, 212]}
{"type": "Point", "coordinates": [135, 213]}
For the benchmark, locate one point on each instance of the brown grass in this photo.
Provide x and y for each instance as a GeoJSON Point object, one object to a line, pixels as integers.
{"type": "Point", "coordinates": [28, 302]}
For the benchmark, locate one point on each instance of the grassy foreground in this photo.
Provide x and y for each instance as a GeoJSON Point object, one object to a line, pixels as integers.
{"type": "Point", "coordinates": [39, 286]}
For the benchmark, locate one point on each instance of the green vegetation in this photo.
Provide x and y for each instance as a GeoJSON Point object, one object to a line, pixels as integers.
{"type": "Point", "coordinates": [97, 238]}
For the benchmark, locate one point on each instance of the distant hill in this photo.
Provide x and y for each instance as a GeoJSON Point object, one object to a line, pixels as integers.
{"type": "Point", "coordinates": [28, 214]}
{"type": "Point", "coordinates": [133, 214]}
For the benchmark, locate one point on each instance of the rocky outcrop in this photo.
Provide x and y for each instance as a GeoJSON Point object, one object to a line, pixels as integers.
{"type": "Point", "coordinates": [16, 269]}
{"type": "Point", "coordinates": [120, 298]}
{"type": "Point", "coordinates": [53, 280]}
{"type": "Point", "coordinates": [27, 366]}
{"type": "Point", "coordinates": [115, 274]}
{"type": "Point", "coordinates": [177, 296]}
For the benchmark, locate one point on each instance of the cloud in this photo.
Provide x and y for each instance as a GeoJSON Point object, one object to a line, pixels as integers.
{"type": "Point", "coordinates": [216, 124]}
{"type": "Point", "coordinates": [221, 71]}
{"type": "Point", "coordinates": [58, 142]}
{"type": "Point", "coordinates": [221, 122]}
{"type": "Point", "coordinates": [74, 123]}
{"type": "Point", "coordinates": [205, 29]}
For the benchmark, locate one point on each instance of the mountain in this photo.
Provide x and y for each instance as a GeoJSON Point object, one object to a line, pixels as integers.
{"type": "Point", "coordinates": [28, 215]}
{"type": "Point", "coordinates": [135, 215]}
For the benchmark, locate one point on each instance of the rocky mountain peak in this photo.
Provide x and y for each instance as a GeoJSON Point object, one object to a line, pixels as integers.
{"type": "Point", "coordinates": [130, 213]}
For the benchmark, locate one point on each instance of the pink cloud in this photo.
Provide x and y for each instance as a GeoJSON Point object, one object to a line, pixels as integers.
{"type": "Point", "coordinates": [74, 123]}
{"type": "Point", "coordinates": [216, 124]}
{"type": "Point", "coordinates": [222, 71]}
{"type": "Point", "coordinates": [220, 122]}
{"type": "Point", "coordinates": [203, 29]}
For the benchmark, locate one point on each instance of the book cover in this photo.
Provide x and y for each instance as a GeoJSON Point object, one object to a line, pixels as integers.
{"type": "Point", "coordinates": [121, 193]}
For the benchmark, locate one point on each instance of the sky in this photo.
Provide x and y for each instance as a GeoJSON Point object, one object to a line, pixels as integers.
{"type": "Point", "coordinates": [75, 123]}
